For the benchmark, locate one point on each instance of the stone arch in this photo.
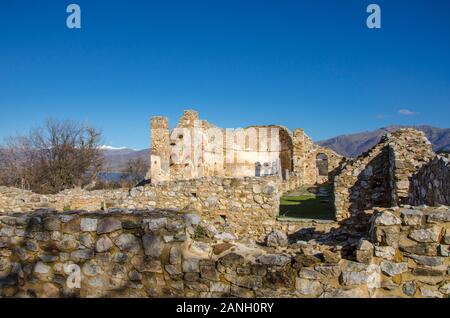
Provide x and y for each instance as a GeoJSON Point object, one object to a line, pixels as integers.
{"type": "Point", "coordinates": [322, 164]}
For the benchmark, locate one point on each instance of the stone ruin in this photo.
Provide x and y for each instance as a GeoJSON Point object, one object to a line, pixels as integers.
{"type": "Point", "coordinates": [196, 149]}
{"type": "Point", "coordinates": [208, 227]}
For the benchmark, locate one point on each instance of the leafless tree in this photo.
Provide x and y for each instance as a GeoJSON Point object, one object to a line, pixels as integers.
{"type": "Point", "coordinates": [58, 156]}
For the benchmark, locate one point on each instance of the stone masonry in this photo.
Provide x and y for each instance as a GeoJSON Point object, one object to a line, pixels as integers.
{"type": "Point", "coordinates": [196, 149]}
{"type": "Point", "coordinates": [382, 176]}
{"type": "Point", "coordinates": [157, 253]}
{"type": "Point", "coordinates": [431, 184]}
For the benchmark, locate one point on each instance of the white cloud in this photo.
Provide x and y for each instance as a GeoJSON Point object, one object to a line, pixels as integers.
{"type": "Point", "coordinates": [407, 112]}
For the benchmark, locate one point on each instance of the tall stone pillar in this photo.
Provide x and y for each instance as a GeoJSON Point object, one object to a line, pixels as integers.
{"type": "Point", "coordinates": [160, 149]}
{"type": "Point", "coordinates": [298, 138]}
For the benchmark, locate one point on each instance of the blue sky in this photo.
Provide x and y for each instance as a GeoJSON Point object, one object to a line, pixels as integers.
{"type": "Point", "coordinates": [309, 64]}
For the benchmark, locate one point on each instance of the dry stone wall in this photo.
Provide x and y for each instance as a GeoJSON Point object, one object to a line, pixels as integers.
{"type": "Point", "coordinates": [412, 248]}
{"type": "Point", "coordinates": [382, 176]}
{"type": "Point", "coordinates": [431, 184]}
{"type": "Point", "coordinates": [196, 149]}
{"type": "Point", "coordinates": [246, 204]}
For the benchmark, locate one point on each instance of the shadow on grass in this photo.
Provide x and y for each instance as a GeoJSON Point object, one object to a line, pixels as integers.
{"type": "Point", "coordinates": [307, 207]}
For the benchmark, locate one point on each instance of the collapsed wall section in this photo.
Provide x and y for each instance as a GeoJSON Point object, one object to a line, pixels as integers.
{"type": "Point", "coordinates": [430, 185]}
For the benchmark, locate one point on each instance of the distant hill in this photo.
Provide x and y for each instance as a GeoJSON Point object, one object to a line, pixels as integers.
{"type": "Point", "coordinates": [117, 158]}
{"type": "Point", "coordinates": [355, 144]}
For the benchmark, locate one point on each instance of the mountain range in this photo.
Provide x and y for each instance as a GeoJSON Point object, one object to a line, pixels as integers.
{"type": "Point", "coordinates": [355, 144]}
{"type": "Point", "coordinates": [349, 146]}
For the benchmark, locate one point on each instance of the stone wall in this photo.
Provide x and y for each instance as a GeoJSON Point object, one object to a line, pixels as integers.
{"type": "Point", "coordinates": [431, 184]}
{"type": "Point", "coordinates": [305, 159]}
{"type": "Point", "coordinates": [382, 176]}
{"type": "Point", "coordinates": [412, 248]}
{"type": "Point", "coordinates": [243, 203]}
{"type": "Point", "coordinates": [165, 254]}
{"type": "Point", "coordinates": [409, 151]}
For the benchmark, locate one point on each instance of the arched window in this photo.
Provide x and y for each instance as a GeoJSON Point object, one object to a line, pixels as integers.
{"type": "Point", "coordinates": [322, 164]}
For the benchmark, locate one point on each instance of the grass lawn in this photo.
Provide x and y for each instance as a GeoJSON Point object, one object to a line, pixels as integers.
{"type": "Point", "coordinates": [306, 205]}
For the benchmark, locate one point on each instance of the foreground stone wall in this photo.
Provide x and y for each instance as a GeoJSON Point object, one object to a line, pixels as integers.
{"type": "Point", "coordinates": [382, 176]}
{"type": "Point", "coordinates": [431, 184]}
{"type": "Point", "coordinates": [413, 246]}
{"type": "Point", "coordinates": [164, 254]}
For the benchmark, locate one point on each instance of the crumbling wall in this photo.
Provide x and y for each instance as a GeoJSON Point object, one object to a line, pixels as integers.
{"type": "Point", "coordinates": [413, 246]}
{"type": "Point", "coordinates": [160, 149]}
{"type": "Point", "coordinates": [305, 159]}
{"type": "Point", "coordinates": [243, 203]}
{"type": "Point", "coordinates": [166, 254]}
{"type": "Point", "coordinates": [382, 176]}
{"type": "Point", "coordinates": [196, 149]}
{"type": "Point", "coordinates": [363, 183]}
{"type": "Point", "coordinates": [431, 184]}
{"type": "Point", "coordinates": [409, 151]}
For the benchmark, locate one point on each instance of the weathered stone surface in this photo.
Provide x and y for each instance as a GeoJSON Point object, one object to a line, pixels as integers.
{"type": "Point", "coordinates": [353, 278]}
{"type": "Point", "coordinates": [392, 269]}
{"type": "Point", "coordinates": [386, 218]}
{"type": "Point", "coordinates": [222, 247]}
{"type": "Point", "coordinates": [385, 252]}
{"type": "Point", "coordinates": [330, 257]}
{"type": "Point", "coordinates": [175, 256]}
{"type": "Point", "coordinates": [411, 217]}
{"type": "Point", "coordinates": [82, 254]}
{"type": "Point", "coordinates": [427, 260]}
{"type": "Point", "coordinates": [128, 243]}
{"type": "Point", "coordinates": [307, 260]}
{"type": "Point", "coordinates": [330, 270]}
{"type": "Point", "coordinates": [274, 259]}
{"type": "Point", "coordinates": [430, 293]}
{"type": "Point", "coordinates": [409, 288]}
{"type": "Point", "coordinates": [428, 249]}
{"type": "Point", "coordinates": [444, 250]}
{"type": "Point", "coordinates": [219, 287]}
{"type": "Point", "coordinates": [152, 245]}
{"type": "Point", "coordinates": [437, 217]}
{"type": "Point", "coordinates": [108, 225]}
{"type": "Point", "coordinates": [428, 235]}
{"type": "Point", "coordinates": [308, 287]}
{"type": "Point", "coordinates": [154, 225]}
{"type": "Point", "coordinates": [364, 252]}
{"type": "Point", "coordinates": [231, 260]}
{"type": "Point", "coordinates": [88, 225]}
{"type": "Point", "coordinates": [276, 238]}
{"type": "Point", "coordinates": [445, 288]}
{"type": "Point", "coordinates": [191, 265]}
{"type": "Point", "coordinates": [103, 244]}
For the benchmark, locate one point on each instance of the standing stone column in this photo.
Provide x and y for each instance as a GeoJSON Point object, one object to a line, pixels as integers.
{"type": "Point", "coordinates": [160, 149]}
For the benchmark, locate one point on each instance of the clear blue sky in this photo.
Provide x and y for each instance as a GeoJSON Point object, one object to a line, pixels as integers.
{"type": "Point", "coordinates": [311, 64]}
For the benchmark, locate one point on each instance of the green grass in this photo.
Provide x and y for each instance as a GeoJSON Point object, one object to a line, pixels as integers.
{"type": "Point", "coordinates": [307, 206]}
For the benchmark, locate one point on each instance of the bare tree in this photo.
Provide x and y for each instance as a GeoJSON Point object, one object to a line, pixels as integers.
{"type": "Point", "coordinates": [61, 155]}
{"type": "Point", "coordinates": [135, 171]}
